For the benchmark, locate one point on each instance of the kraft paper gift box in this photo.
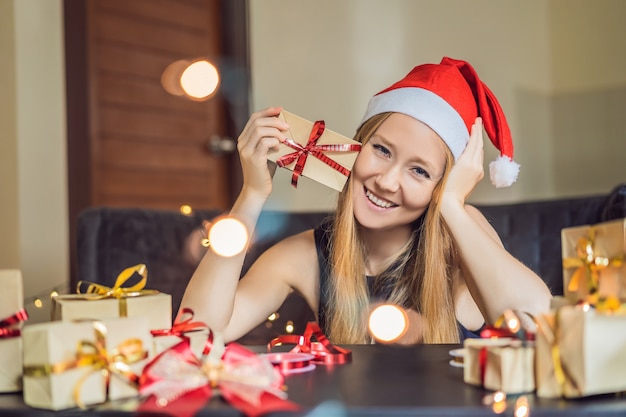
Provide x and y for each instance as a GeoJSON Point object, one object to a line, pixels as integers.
{"type": "Point", "coordinates": [102, 302]}
{"type": "Point", "coordinates": [11, 307]}
{"type": "Point", "coordinates": [598, 250]}
{"type": "Point", "coordinates": [580, 352]}
{"type": "Point", "coordinates": [339, 159]}
{"type": "Point", "coordinates": [501, 364]}
{"type": "Point", "coordinates": [61, 360]}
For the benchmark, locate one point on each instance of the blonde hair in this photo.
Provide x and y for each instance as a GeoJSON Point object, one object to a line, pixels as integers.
{"type": "Point", "coordinates": [421, 274]}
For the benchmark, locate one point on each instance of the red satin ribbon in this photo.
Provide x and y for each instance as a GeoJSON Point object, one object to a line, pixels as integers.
{"type": "Point", "coordinates": [183, 325]}
{"type": "Point", "coordinates": [16, 318]}
{"type": "Point", "coordinates": [191, 401]}
{"type": "Point", "coordinates": [323, 351]}
{"type": "Point", "coordinates": [311, 148]}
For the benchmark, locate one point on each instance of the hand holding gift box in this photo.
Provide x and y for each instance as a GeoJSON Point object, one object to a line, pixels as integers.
{"type": "Point", "coordinates": [100, 302]}
{"type": "Point", "coordinates": [12, 314]}
{"type": "Point", "coordinates": [315, 152]}
{"type": "Point", "coordinates": [594, 262]}
{"type": "Point", "coordinates": [69, 364]}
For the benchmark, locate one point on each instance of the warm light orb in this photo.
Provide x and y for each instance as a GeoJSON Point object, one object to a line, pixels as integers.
{"type": "Point", "coordinates": [200, 79]}
{"type": "Point", "coordinates": [387, 323]}
{"type": "Point", "coordinates": [186, 209]}
{"type": "Point", "coordinates": [38, 303]}
{"type": "Point", "coordinates": [228, 237]}
{"type": "Point", "coordinates": [522, 409]}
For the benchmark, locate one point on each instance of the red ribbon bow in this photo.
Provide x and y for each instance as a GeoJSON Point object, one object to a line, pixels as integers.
{"type": "Point", "coordinates": [179, 383]}
{"type": "Point", "coordinates": [184, 324]}
{"type": "Point", "coordinates": [323, 351]}
{"type": "Point", "coordinates": [311, 148]}
{"type": "Point", "coordinates": [5, 331]}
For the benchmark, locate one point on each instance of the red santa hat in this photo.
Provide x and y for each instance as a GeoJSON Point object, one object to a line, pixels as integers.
{"type": "Point", "coordinates": [448, 97]}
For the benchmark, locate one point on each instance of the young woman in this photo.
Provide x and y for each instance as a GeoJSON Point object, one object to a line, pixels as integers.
{"type": "Point", "coordinates": [402, 232]}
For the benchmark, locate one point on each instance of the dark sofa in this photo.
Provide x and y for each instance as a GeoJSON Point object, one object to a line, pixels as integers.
{"type": "Point", "coordinates": [111, 239]}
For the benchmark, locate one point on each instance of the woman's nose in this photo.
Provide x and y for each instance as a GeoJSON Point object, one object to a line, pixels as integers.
{"type": "Point", "coordinates": [389, 180]}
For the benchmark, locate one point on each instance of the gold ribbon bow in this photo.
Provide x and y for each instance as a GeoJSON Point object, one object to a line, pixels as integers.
{"type": "Point", "coordinates": [588, 263]}
{"type": "Point", "coordinates": [94, 355]}
{"type": "Point", "coordinates": [86, 290]}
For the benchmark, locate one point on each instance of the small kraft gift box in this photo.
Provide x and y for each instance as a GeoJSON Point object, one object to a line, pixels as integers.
{"type": "Point", "coordinates": [95, 301]}
{"type": "Point", "coordinates": [500, 364]}
{"type": "Point", "coordinates": [315, 152]}
{"type": "Point", "coordinates": [12, 316]}
{"type": "Point", "coordinates": [185, 327]}
{"type": "Point", "coordinates": [594, 260]}
{"type": "Point", "coordinates": [71, 364]}
{"type": "Point", "coordinates": [581, 351]}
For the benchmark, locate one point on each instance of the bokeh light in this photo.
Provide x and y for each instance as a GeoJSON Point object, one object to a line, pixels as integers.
{"type": "Point", "coordinates": [186, 209]}
{"type": "Point", "coordinates": [200, 80]}
{"type": "Point", "coordinates": [228, 237]}
{"type": "Point", "coordinates": [387, 323]}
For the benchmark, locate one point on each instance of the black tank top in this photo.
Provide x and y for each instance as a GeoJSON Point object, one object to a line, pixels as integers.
{"type": "Point", "coordinates": [323, 234]}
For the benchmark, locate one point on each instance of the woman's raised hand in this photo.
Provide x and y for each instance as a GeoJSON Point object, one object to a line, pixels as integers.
{"type": "Point", "coordinates": [263, 132]}
{"type": "Point", "coordinates": [468, 169]}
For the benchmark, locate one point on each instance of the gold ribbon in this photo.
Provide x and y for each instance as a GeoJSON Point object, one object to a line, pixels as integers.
{"type": "Point", "coordinates": [95, 291]}
{"type": "Point", "coordinates": [561, 373]}
{"type": "Point", "coordinates": [94, 355]}
{"type": "Point", "coordinates": [588, 264]}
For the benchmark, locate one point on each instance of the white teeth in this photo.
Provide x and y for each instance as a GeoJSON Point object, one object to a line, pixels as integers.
{"type": "Point", "coordinates": [377, 201]}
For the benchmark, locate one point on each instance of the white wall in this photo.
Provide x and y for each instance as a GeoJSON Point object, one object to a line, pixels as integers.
{"type": "Point", "coordinates": [33, 183]}
{"type": "Point", "coordinates": [324, 59]}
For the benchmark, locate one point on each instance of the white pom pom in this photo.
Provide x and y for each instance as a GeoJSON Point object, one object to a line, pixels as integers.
{"type": "Point", "coordinates": [503, 171]}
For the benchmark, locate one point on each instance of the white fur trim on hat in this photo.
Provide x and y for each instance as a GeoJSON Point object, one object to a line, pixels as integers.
{"type": "Point", "coordinates": [503, 171]}
{"type": "Point", "coordinates": [428, 108]}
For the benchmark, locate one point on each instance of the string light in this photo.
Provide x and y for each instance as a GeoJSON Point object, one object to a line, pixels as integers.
{"type": "Point", "coordinates": [289, 327]}
{"type": "Point", "coordinates": [186, 210]}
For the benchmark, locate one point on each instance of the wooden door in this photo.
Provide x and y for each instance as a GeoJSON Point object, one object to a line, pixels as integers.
{"type": "Point", "coordinates": [130, 143]}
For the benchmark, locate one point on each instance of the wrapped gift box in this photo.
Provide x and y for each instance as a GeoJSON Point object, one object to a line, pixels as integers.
{"type": "Point", "coordinates": [300, 131]}
{"type": "Point", "coordinates": [157, 308]}
{"type": "Point", "coordinates": [602, 247]}
{"type": "Point", "coordinates": [501, 364]}
{"type": "Point", "coordinates": [59, 359]}
{"type": "Point", "coordinates": [11, 302]}
{"type": "Point", "coordinates": [580, 352]}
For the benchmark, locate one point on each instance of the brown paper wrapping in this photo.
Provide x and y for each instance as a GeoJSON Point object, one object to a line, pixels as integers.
{"type": "Point", "coordinates": [508, 366]}
{"type": "Point", "coordinates": [56, 342]}
{"type": "Point", "coordinates": [157, 308]}
{"type": "Point", "coordinates": [580, 353]}
{"type": "Point", "coordinates": [299, 131]}
{"type": "Point", "coordinates": [11, 301]}
{"type": "Point", "coordinates": [609, 243]}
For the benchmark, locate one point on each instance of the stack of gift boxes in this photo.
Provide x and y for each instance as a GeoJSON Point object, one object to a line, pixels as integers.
{"type": "Point", "coordinates": [101, 338]}
{"type": "Point", "coordinates": [576, 350]}
{"type": "Point", "coordinates": [96, 345]}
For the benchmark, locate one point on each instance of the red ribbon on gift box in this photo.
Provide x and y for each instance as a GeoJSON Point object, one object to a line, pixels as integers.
{"type": "Point", "coordinates": [5, 331]}
{"type": "Point", "coordinates": [178, 383]}
{"type": "Point", "coordinates": [311, 148]}
{"type": "Point", "coordinates": [323, 351]}
{"type": "Point", "coordinates": [184, 324]}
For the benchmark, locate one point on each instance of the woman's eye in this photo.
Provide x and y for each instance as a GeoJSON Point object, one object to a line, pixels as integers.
{"type": "Point", "coordinates": [382, 150]}
{"type": "Point", "coordinates": [421, 172]}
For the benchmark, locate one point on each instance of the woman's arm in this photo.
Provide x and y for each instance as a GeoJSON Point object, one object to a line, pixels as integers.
{"type": "Point", "coordinates": [213, 291]}
{"type": "Point", "coordinates": [496, 280]}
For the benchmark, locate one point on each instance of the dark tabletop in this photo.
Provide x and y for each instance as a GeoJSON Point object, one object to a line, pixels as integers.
{"type": "Point", "coordinates": [380, 381]}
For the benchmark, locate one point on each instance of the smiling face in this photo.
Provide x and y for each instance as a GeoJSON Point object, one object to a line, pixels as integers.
{"type": "Point", "coordinates": [396, 172]}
